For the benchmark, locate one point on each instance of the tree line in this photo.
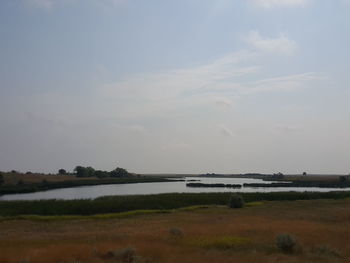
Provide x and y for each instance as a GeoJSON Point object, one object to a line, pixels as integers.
{"type": "Point", "coordinates": [81, 171]}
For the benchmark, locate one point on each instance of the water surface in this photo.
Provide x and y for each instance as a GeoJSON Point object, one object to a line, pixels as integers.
{"type": "Point", "coordinates": [90, 192]}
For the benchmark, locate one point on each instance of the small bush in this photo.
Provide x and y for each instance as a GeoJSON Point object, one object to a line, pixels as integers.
{"type": "Point", "coordinates": [127, 255]}
{"type": "Point", "coordinates": [287, 243]}
{"type": "Point", "coordinates": [236, 201]}
{"type": "Point", "coordinates": [219, 242]}
{"type": "Point", "coordinates": [325, 251]}
{"type": "Point", "coordinates": [176, 232]}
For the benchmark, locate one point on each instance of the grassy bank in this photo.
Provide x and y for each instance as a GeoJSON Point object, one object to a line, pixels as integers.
{"type": "Point", "coordinates": [115, 204]}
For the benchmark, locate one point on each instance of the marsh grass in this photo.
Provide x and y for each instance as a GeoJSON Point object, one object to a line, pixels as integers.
{"type": "Point", "coordinates": [253, 204]}
{"type": "Point", "coordinates": [218, 242]}
{"type": "Point", "coordinates": [117, 204]}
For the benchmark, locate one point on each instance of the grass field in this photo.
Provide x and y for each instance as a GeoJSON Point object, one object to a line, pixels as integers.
{"type": "Point", "coordinates": [213, 234]}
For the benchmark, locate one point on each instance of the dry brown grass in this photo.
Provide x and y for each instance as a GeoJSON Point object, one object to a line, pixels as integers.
{"type": "Point", "coordinates": [315, 223]}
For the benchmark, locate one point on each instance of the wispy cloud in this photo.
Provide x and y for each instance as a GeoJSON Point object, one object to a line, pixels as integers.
{"type": "Point", "coordinates": [284, 83]}
{"type": "Point", "coordinates": [280, 3]}
{"type": "Point", "coordinates": [218, 83]}
{"type": "Point", "coordinates": [281, 44]}
{"type": "Point", "coordinates": [50, 4]}
{"type": "Point", "coordinates": [224, 130]}
{"type": "Point", "coordinates": [45, 4]}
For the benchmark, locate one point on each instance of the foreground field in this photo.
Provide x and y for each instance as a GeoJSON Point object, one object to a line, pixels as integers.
{"type": "Point", "coordinates": [214, 234]}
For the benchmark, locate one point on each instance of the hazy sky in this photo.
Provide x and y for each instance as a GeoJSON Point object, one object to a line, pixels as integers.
{"type": "Point", "coordinates": [182, 86]}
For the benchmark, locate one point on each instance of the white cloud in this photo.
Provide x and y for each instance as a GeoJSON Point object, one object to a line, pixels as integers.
{"type": "Point", "coordinates": [281, 44]}
{"type": "Point", "coordinates": [223, 102]}
{"type": "Point", "coordinates": [280, 3]}
{"type": "Point", "coordinates": [138, 128]}
{"type": "Point", "coordinates": [289, 129]}
{"type": "Point", "coordinates": [284, 83]}
{"type": "Point", "coordinates": [224, 130]}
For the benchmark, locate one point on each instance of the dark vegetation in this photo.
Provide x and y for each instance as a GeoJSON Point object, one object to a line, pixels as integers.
{"type": "Point", "coordinates": [62, 172]}
{"type": "Point", "coordinates": [287, 243]}
{"type": "Point", "coordinates": [114, 204]}
{"type": "Point", "coordinates": [91, 172]}
{"type": "Point", "coordinates": [236, 201]}
{"type": "Point", "coordinates": [214, 185]}
{"type": "Point", "coordinates": [342, 182]}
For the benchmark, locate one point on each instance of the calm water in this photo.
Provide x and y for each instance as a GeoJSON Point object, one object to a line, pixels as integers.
{"type": "Point", "coordinates": [90, 192]}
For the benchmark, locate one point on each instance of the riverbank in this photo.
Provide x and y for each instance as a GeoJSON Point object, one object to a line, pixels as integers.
{"type": "Point", "coordinates": [213, 234]}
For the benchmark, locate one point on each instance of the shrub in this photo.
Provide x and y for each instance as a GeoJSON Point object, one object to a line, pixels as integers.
{"type": "Point", "coordinates": [287, 243]}
{"type": "Point", "coordinates": [176, 232]}
{"type": "Point", "coordinates": [20, 182]}
{"type": "Point", "coordinates": [127, 255]}
{"type": "Point", "coordinates": [236, 201]}
{"type": "Point", "coordinates": [219, 242]}
{"type": "Point", "coordinates": [326, 251]}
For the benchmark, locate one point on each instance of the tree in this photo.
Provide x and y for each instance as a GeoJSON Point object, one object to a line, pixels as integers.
{"type": "Point", "coordinates": [101, 174]}
{"type": "Point", "coordinates": [84, 171]}
{"type": "Point", "coordinates": [119, 172]}
{"type": "Point", "coordinates": [80, 171]}
{"type": "Point", "coordinates": [62, 172]}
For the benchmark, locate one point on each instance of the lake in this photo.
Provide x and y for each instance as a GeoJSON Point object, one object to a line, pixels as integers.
{"type": "Point", "coordinates": [91, 192]}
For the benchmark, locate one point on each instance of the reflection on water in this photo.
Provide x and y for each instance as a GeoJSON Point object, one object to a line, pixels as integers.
{"type": "Point", "coordinates": [90, 192]}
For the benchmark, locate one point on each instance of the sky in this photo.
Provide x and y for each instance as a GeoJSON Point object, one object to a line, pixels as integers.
{"type": "Point", "coordinates": [185, 86]}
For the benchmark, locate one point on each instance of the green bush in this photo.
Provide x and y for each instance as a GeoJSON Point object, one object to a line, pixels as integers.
{"type": "Point", "coordinates": [236, 201]}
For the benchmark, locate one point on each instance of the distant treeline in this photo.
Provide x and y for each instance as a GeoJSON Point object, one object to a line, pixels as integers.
{"type": "Point", "coordinates": [114, 204]}
{"type": "Point", "coordinates": [81, 171]}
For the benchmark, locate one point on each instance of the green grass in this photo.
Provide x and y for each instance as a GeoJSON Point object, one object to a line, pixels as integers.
{"type": "Point", "coordinates": [117, 204]}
